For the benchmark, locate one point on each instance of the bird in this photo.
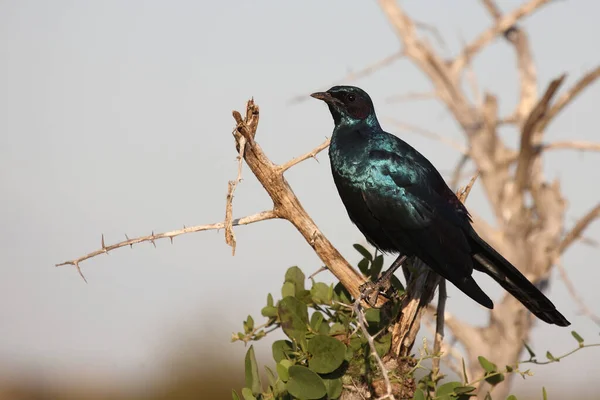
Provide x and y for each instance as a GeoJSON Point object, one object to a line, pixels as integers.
{"type": "Point", "coordinates": [402, 205]}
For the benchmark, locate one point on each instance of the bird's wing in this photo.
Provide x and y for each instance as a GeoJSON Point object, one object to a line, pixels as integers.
{"type": "Point", "coordinates": [405, 197]}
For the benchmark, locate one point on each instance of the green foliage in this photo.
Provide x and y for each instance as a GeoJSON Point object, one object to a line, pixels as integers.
{"type": "Point", "coordinates": [325, 349]}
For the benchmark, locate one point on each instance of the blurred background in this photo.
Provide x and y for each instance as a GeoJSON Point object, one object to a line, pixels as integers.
{"type": "Point", "coordinates": [115, 118]}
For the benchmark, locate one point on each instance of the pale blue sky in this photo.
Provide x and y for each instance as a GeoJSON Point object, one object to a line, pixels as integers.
{"type": "Point", "coordinates": [115, 117]}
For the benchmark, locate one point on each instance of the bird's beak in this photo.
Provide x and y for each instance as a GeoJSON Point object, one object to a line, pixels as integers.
{"type": "Point", "coordinates": [326, 97]}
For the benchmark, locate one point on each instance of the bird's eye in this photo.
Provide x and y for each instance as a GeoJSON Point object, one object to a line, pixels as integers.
{"type": "Point", "coordinates": [351, 97]}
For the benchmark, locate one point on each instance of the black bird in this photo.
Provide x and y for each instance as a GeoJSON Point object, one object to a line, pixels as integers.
{"type": "Point", "coordinates": [401, 203]}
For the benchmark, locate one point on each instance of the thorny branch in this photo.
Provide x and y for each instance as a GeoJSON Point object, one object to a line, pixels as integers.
{"type": "Point", "coordinates": [285, 205]}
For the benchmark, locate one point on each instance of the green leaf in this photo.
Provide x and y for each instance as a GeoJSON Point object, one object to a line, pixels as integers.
{"type": "Point", "coordinates": [363, 266]}
{"type": "Point", "coordinates": [333, 387]}
{"type": "Point", "coordinates": [270, 300]}
{"type": "Point", "coordinates": [270, 376]}
{"type": "Point", "coordinates": [495, 379]}
{"type": "Point", "coordinates": [531, 353]}
{"type": "Point", "coordinates": [337, 329]}
{"type": "Point", "coordinates": [252, 375]}
{"type": "Point", "coordinates": [487, 365]}
{"type": "Point", "coordinates": [550, 357]}
{"type": "Point", "coordinates": [282, 369]}
{"type": "Point", "coordinates": [577, 337]}
{"type": "Point", "coordinates": [250, 323]}
{"type": "Point", "coordinates": [376, 267]}
{"type": "Point", "coordinates": [327, 354]}
{"type": "Point", "coordinates": [364, 252]}
{"type": "Point", "coordinates": [419, 395]}
{"type": "Point", "coordinates": [293, 315]}
{"type": "Point", "coordinates": [281, 350]}
{"type": "Point", "coordinates": [373, 316]}
{"type": "Point", "coordinates": [464, 371]}
{"type": "Point", "coordinates": [234, 395]}
{"type": "Point", "coordinates": [320, 293]}
{"type": "Point", "coordinates": [544, 394]}
{"type": "Point", "coordinates": [447, 389]}
{"type": "Point", "coordinates": [269, 312]}
{"type": "Point", "coordinates": [463, 389]}
{"type": "Point", "coordinates": [247, 394]}
{"type": "Point", "coordinates": [511, 397]}
{"type": "Point", "coordinates": [296, 276]}
{"type": "Point", "coordinates": [316, 319]}
{"type": "Point", "coordinates": [383, 344]}
{"type": "Point", "coordinates": [288, 290]}
{"type": "Point", "coordinates": [305, 384]}
{"type": "Point", "coordinates": [279, 389]}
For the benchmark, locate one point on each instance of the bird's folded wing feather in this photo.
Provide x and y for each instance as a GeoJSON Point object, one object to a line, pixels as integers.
{"type": "Point", "coordinates": [405, 201]}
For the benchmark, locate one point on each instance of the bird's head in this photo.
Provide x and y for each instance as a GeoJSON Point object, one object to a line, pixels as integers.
{"type": "Point", "coordinates": [348, 104]}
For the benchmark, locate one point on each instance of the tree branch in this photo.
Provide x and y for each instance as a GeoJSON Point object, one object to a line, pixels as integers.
{"type": "Point", "coordinates": [486, 37]}
{"type": "Point", "coordinates": [104, 249]}
{"type": "Point", "coordinates": [362, 73]}
{"type": "Point", "coordinates": [530, 127]}
{"type": "Point", "coordinates": [311, 154]}
{"type": "Point", "coordinates": [578, 229]}
{"type": "Point", "coordinates": [573, 145]}
{"type": "Point", "coordinates": [570, 95]}
{"type": "Point", "coordinates": [584, 309]}
{"type": "Point", "coordinates": [428, 134]}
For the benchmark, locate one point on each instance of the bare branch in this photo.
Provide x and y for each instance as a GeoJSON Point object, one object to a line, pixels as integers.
{"type": "Point", "coordinates": [311, 154]}
{"type": "Point", "coordinates": [584, 309]}
{"type": "Point", "coordinates": [428, 134]}
{"type": "Point", "coordinates": [570, 95]}
{"type": "Point", "coordinates": [457, 174]}
{"type": "Point", "coordinates": [353, 76]}
{"type": "Point", "coordinates": [362, 324]}
{"type": "Point", "coordinates": [229, 235]}
{"type": "Point", "coordinates": [468, 335]}
{"type": "Point", "coordinates": [530, 127]}
{"type": "Point", "coordinates": [573, 145]}
{"type": "Point", "coordinates": [501, 26]}
{"type": "Point", "coordinates": [439, 330]}
{"type": "Point", "coordinates": [578, 229]}
{"type": "Point", "coordinates": [262, 216]}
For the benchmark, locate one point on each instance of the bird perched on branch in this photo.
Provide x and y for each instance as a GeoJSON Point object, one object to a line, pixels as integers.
{"type": "Point", "coordinates": [401, 203]}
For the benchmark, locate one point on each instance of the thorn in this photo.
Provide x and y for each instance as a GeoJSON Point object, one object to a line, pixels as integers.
{"type": "Point", "coordinates": [152, 240]}
{"type": "Point", "coordinates": [131, 244]}
{"type": "Point", "coordinates": [103, 246]}
{"type": "Point", "coordinates": [76, 264]}
{"type": "Point", "coordinates": [171, 237]}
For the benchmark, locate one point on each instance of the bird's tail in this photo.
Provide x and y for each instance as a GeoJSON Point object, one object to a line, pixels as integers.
{"type": "Point", "coordinates": [488, 260]}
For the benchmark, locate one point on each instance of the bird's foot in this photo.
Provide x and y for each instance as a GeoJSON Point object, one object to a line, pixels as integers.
{"type": "Point", "coordinates": [370, 291]}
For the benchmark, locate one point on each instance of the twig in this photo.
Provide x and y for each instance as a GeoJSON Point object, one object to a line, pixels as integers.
{"type": "Point", "coordinates": [353, 76]}
{"type": "Point", "coordinates": [311, 154]}
{"type": "Point", "coordinates": [457, 174]}
{"type": "Point", "coordinates": [575, 145]}
{"type": "Point", "coordinates": [570, 95]}
{"type": "Point", "coordinates": [360, 317]}
{"type": "Point", "coordinates": [584, 309]}
{"type": "Point", "coordinates": [489, 34]}
{"type": "Point", "coordinates": [439, 330]}
{"type": "Point", "coordinates": [428, 134]}
{"type": "Point", "coordinates": [530, 127]}
{"type": "Point", "coordinates": [232, 185]}
{"type": "Point", "coordinates": [262, 216]}
{"type": "Point", "coordinates": [581, 225]}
